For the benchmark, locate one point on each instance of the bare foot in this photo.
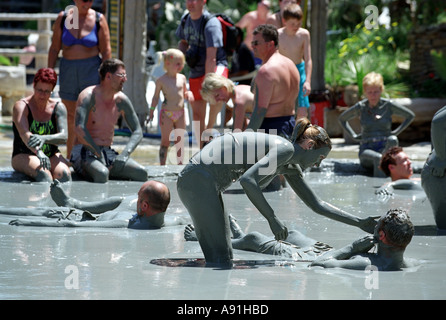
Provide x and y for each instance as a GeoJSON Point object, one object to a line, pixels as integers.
{"type": "Point", "coordinates": [189, 233]}
{"type": "Point", "coordinates": [58, 195]}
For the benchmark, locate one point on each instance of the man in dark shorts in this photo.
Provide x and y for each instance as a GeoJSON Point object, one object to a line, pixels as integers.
{"type": "Point", "coordinates": [276, 86]}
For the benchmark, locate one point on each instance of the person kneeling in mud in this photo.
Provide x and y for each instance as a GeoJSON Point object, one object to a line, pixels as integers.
{"type": "Point", "coordinates": [114, 212]}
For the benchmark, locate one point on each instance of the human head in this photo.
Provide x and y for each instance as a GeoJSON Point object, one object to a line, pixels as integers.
{"type": "Point", "coordinates": [153, 198]}
{"type": "Point", "coordinates": [304, 130]}
{"type": "Point", "coordinates": [110, 66]}
{"type": "Point", "coordinates": [268, 33]}
{"type": "Point", "coordinates": [210, 88]}
{"type": "Point", "coordinates": [263, 6]}
{"type": "Point", "coordinates": [172, 55]}
{"type": "Point", "coordinates": [195, 7]}
{"type": "Point", "coordinates": [313, 139]}
{"type": "Point", "coordinates": [45, 75]}
{"type": "Point", "coordinates": [396, 164]}
{"type": "Point", "coordinates": [284, 3]}
{"type": "Point", "coordinates": [395, 229]}
{"type": "Point", "coordinates": [373, 86]}
{"type": "Point", "coordinates": [292, 11]}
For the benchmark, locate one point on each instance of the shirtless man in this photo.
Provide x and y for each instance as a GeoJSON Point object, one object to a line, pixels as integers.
{"type": "Point", "coordinates": [114, 212]}
{"type": "Point", "coordinates": [276, 85]}
{"type": "Point", "coordinates": [98, 109]}
{"type": "Point", "coordinates": [253, 19]}
{"type": "Point", "coordinates": [395, 163]}
{"type": "Point", "coordinates": [393, 233]}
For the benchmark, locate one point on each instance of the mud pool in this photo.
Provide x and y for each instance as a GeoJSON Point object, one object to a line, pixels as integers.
{"type": "Point", "coordinates": [96, 263]}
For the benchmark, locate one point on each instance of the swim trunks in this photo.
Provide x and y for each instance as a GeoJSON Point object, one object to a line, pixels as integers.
{"type": "Point", "coordinates": [302, 100]}
{"type": "Point", "coordinates": [283, 126]}
{"type": "Point", "coordinates": [76, 75]}
{"type": "Point", "coordinates": [81, 156]}
{"type": "Point", "coordinates": [195, 83]}
{"type": "Point", "coordinates": [173, 115]}
{"type": "Point", "coordinates": [375, 144]}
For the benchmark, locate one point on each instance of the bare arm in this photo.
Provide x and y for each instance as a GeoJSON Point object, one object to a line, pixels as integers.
{"type": "Point", "coordinates": [263, 171]}
{"type": "Point", "coordinates": [211, 59]}
{"type": "Point", "coordinates": [308, 65]}
{"type": "Point", "coordinates": [125, 106]}
{"type": "Point", "coordinates": [259, 111]}
{"type": "Point", "coordinates": [404, 112]}
{"type": "Point", "coordinates": [345, 116]}
{"type": "Point", "coordinates": [56, 42]}
{"type": "Point", "coordinates": [104, 39]}
{"type": "Point", "coordinates": [155, 98]}
{"type": "Point", "coordinates": [59, 137]}
{"type": "Point", "coordinates": [85, 103]}
{"type": "Point", "coordinates": [349, 257]}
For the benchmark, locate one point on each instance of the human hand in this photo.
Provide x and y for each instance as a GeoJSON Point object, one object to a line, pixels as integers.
{"type": "Point", "coordinates": [306, 88]}
{"type": "Point", "coordinates": [368, 224]}
{"type": "Point", "coordinates": [278, 228]}
{"type": "Point", "coordinates": [44, 160]}
{"type": "Point", "coordinates": [120, 162]}
{"type": "Point", "coordinates": [36, 141]}
{"type": "Point", "coordinates": [363, 245]}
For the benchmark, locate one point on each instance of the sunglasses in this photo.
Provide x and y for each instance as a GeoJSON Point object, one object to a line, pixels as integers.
{"type": "Point", "coordinates": [87, 1]}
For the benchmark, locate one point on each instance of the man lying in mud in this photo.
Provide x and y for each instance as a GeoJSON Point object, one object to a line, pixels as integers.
{"type": "Point", "coordinates": [392, 234]}
{"type": "Point", "coordinates": [115, 212]}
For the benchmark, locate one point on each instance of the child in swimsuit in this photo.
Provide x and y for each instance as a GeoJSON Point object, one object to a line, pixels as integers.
{"type": "Point", "coordinates": [295, 44]}
{"type": "Point", "coordinates": [173, 85]}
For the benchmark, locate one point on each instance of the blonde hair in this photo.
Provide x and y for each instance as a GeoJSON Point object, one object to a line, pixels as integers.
{"type": "Point", "coordinates": [373, 79]}
{"type": "Point", "coordinates": [171, 54]}
{"type": "Point", "coordinates": [213, 81]}
{"type": "Point", "coordinates": [305, 130]}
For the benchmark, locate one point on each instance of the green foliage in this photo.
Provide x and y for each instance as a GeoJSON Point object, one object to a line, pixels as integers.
{"type": "Point", "coordinates": [4, 61]}
{"type": "Point", "coordinates": [440, 63]}
{"type": "Point", "coordinates": [351, 55]}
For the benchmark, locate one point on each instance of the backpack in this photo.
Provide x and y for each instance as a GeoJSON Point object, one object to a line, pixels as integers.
{"type": "Point", "coordinates": [228, 29]}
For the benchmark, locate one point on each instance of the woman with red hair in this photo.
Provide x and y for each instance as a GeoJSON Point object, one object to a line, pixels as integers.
{"type": "Point", "coordinates": [40, 125]}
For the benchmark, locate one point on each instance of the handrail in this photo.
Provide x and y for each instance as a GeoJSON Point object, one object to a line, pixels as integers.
{"type": "Point", "coordinates": [43, 30]}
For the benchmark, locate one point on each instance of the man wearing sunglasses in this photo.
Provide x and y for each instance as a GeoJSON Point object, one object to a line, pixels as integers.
{"type": "Point", "coordinates": [98, 109]}
{"type": "Point", "coordinates": [276, 85]}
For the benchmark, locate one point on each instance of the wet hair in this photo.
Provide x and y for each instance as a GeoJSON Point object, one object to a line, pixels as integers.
{"type": "Point", "coordinates": [292, 11]}
{"type": "Point", "coordinates": [46, 75]}
{"type": "Point", "coordinates": [213, 81]}
{"type": "Point", "coordinates": [172, 54]}
{"type": "Point", "coordinates": [110, 65]}
{"type": "Point", "coordinates": [373, 79]}
{"type": "Point", "coordinates": [305, 130]}
{"type": "Point", "coordinates": [268, 32]}
{"type": "Point", "coordinates": [388, 158]}
{"type": "Point", "coordinates": [157, 197]}
{"type": "Point", "coordinates": [397, 226]}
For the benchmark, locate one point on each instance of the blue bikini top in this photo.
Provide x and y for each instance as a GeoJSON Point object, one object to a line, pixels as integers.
{"type": "Point", "coordinates": [89, 41]}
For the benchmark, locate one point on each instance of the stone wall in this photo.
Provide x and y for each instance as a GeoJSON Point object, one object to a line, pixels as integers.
{"type": "Point", "coordinates": [424, 39]}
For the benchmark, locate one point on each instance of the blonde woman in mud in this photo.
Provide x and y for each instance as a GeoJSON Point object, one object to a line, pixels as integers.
{"type": "Point", "coordinates": [254, 159]}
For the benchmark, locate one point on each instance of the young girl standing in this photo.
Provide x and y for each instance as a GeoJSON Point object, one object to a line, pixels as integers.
{"type": "Point", "coordinates": [173, 85]}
